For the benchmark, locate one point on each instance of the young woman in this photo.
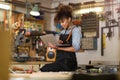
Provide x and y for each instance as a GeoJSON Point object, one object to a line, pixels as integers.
{"type": "Point", "coordinates": [71, 35]}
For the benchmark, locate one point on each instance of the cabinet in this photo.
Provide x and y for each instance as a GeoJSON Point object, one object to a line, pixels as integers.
{"type": "Point", "coordinates": [89, 43]}
{"type": "Point", "coordinates": [90, 24]}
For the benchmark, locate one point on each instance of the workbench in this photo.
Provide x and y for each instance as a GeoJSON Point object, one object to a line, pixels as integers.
{"type": "Point", "coordinates": [42, 76]}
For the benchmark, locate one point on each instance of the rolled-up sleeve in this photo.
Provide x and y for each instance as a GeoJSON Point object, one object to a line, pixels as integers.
{"type": "Point", "coordinates": [76, 38]}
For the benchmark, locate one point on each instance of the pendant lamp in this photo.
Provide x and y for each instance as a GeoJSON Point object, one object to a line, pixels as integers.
{"type": "Point", "coordinates": [35, 11]}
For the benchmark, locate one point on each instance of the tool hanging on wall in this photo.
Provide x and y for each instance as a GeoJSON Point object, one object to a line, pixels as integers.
{"type": "Point", "coordinates": [119, 25]}
{"type": "Point", "coordinates": [110, 33]}
{"type": "Point", "coordinates": [104, 40]}
{"type": "Point", "coordinates": [118, 12]}
{"type": "Point", "coordinates": [108, 16]}
{"type": "Point", "coordinates": [110, 20]}
{"type": "Point", "coordinates": [111, 23]}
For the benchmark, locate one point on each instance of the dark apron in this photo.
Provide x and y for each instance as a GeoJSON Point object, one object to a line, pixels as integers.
{"type": "Point", "coordinates": [65, 61]}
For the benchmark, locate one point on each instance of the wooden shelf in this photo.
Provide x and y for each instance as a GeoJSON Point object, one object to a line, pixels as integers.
{"type": "Point", "coordinates": [30, 63]}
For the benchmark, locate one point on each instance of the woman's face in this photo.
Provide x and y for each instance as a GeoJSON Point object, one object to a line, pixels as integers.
{"type": "Point", "coordinates": [65, 22]}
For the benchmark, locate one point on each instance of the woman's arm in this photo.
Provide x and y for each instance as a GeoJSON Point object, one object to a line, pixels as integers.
{"type": "Point", "coordinates": [76, 38]}
{"type": "Point", "coordinates": [69, 49]}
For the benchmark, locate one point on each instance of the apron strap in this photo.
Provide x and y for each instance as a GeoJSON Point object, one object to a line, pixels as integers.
{"type": "Point", "coordinates": [69, 34]}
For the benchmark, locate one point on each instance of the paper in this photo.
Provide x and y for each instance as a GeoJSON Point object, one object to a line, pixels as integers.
{"type": "Point", "coordinates": [49, 38]}
{"type": "Point", "coordinates": [52, 39]}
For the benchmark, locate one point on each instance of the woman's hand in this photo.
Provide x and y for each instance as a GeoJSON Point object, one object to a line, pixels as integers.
{"type": "Point", "coordinates": [52, 46]}
{"type": "Point", "coordinates": [60, 41]}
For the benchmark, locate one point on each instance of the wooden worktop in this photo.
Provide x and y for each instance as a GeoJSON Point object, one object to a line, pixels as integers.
{"type": "Point", "coordinates": [43, 76]}
{"type": "Point", "coordinates": [31, 62]}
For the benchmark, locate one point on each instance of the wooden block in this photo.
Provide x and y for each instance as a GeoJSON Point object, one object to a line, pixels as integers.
{"type": "Point", "coordinates": [50, 54]}
{"type": "Point", "coordinates": [5, 50]}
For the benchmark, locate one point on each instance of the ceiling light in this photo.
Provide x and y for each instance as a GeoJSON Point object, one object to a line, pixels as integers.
{"type": "Point", "coordinates": [35, 11]}
{"type": "Point", "coordinates": [4, 6]}
{"type": "Point", "coordinates": [95, 9]}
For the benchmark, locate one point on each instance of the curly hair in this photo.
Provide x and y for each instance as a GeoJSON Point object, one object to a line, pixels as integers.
{"type": "Point", "coordinates": [63, 11]}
